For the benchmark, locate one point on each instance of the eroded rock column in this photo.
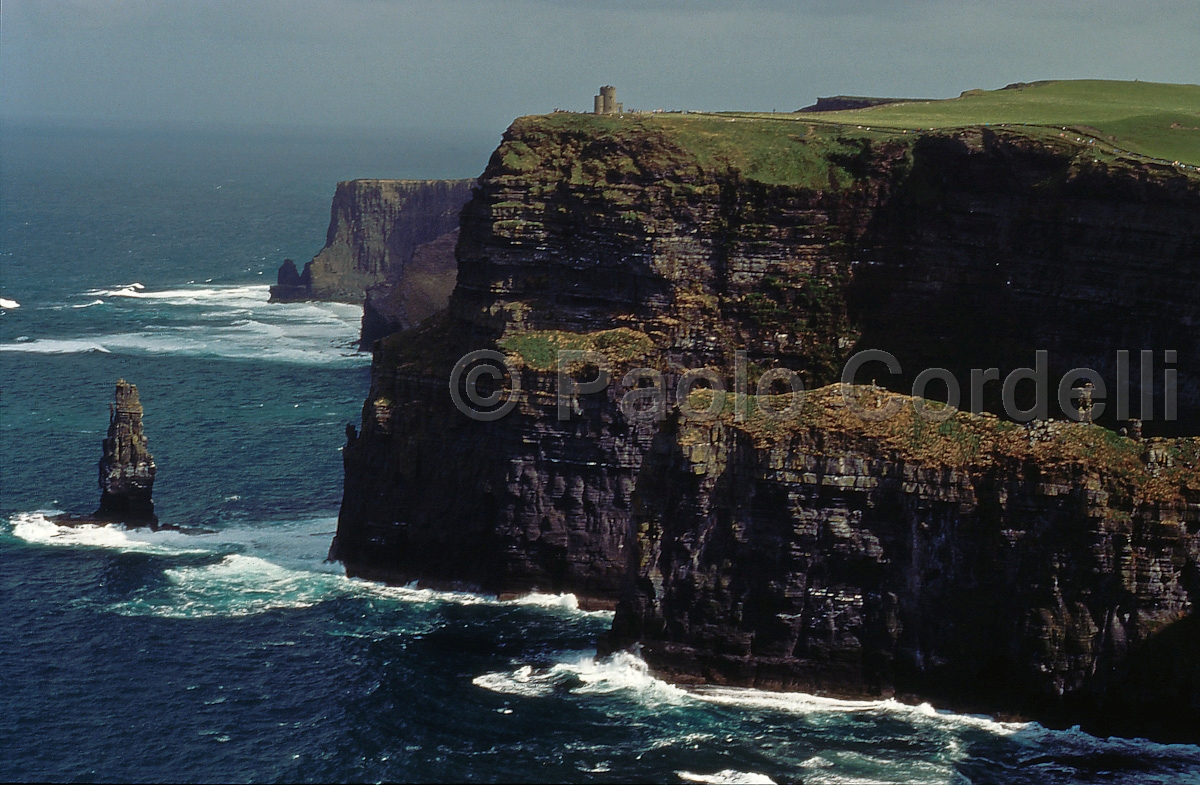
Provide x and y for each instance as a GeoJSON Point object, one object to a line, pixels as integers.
{"type": "Point", "coordinates": [127, 467]}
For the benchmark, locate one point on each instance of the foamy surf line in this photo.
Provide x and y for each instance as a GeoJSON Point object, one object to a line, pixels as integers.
{"type": "Point", "coordinates": [259, 568]}
{"type": "Point", "coordinates": [585, 674]}
{"type": "Point", "coordinates": [804, 703]}
{"type": "Point", "coordinates": [237, 585]}
{"type": "Point", "coordinates": [230, 296]}
{"type": "Point", "coordinates": [627, 674]}
{"type": "Point", "coordinates": [411, 594]}
{"type": "Point", "coordinates": [54, 346]}
{"type": "Point", "coordinates": [627, 671]}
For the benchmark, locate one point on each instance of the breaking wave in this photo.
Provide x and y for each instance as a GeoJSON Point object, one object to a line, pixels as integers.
{"type": "Point", "coordinates": [37, 527]}
{"type": "Point", "coordinates": [727, 777]}
{"type": "Point", "coordinates": [584, 674]}
{"type": "Point", "coordinates": [225, 295]}
{"type": "Point", "coordinates": [55, 346]}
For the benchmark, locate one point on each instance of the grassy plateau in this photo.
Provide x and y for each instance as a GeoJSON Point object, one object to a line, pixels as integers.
{"type": "Point", "coordinates": [1148, 118]}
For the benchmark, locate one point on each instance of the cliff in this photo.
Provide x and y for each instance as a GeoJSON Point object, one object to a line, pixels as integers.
{"type": "Point", "coordinates": [390, 244]}
{"type": "Point", "coordinates": [673, 243]}
{"type": "Point", "coordinates": [975, 562]}
{"type": "Point", "coordinates": [126, 468]}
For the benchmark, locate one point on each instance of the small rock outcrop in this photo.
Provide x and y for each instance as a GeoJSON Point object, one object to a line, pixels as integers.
{"type": "Point", "coordinates": [292, 285]}
{"type": "Point", "coordinates": [127, 468]}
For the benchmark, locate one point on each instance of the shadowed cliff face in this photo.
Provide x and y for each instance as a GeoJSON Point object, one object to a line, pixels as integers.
{"type": "Point", "coordinates": [947, 250]}
{"type": "Point", "coordinates": [993, 247]}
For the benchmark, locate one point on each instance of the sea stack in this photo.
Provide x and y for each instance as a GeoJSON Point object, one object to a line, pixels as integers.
{"type": "Point", "coordinates": [127, 468]}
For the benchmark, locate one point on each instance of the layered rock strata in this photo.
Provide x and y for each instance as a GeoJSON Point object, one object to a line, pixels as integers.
{"type": "Point", "coordinates": [127, 468]}
{"type": "Point", "coordinates": [1037, 570]}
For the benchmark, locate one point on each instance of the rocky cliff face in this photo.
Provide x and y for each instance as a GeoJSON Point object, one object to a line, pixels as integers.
{"type": "Point", "coordinates": [377, 228]}
{"type": "Point", "coordinates": [672, 243]}
{"type": "Point", "coordinates": [127, 468]}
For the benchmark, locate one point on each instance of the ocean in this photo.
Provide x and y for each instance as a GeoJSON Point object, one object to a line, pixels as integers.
{"type": "Point", "coordinates": [241, 654]}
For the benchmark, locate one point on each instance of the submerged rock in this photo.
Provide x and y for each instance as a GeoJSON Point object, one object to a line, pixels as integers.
{"type": "Point", "coordinates": [127, 468]}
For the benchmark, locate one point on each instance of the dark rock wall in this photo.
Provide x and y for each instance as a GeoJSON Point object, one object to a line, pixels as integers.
{"type": "Point", "coordinates": [1027, 580]}
{"type": "Point", "coordinates": [994, 247]}
{"type": "Point", "coordinates": [520, 504]}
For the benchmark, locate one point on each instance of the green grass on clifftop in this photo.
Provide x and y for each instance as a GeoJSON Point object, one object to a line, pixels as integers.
{"type": "Point", "coordinates": [817, 149]}
{"type": "Point", "coordinates": [773, 149]}
{"type": "Point", "coordinates": [1150, 118]}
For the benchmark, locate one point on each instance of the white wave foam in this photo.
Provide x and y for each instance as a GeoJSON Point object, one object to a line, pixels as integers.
{"type": "Point", "coordinates": [190, 295]}
{"type": "Point", "coordinates": [8, 304]}
{"type": "Point", "coordinates": [36, 527]}
{"type": "Point", "coordinates": [236, 323]}
{"type": "Point", "coordinates": [816, 762]}
{"type": "Point", "coordinates": [727, 777]}
{"type": "Point", "coordinates": [1074, 742]}
{"type": "Point", "coordinates": [586, 675]}
{"type": "Point", "coordinates": [826, 778]}
{"type": "Point", "coordinates": [53, 346]}
{"type": "Point", "coordinates": [803, 703]}
{"type": "Point", "coordinates": [412, 594]}
{"type": "Point", "coordinates": [236, 586]}
{"type": "Point", "coordinates": [566, 601]}
{"type": "Point", "coordinates": [523, 681]}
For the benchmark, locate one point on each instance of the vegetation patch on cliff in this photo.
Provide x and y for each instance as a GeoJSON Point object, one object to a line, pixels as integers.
{"type": "Point", "coordinates": [1157, 469]}
{"type": "Point", "coordinates": [539, 349]}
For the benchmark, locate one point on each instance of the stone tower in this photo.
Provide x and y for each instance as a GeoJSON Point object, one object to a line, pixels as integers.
{"type": "Point", "coordinates": [606, 101]}
{"type": "Point", "coordinates": [127, 467]}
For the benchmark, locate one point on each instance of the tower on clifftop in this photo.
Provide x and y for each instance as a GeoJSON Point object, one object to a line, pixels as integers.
{"type": "Point", "coordinates": [606, 101]}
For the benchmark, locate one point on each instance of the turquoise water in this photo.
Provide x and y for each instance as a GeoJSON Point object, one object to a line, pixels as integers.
{"type": "Point", "coordinates": [242, 655]}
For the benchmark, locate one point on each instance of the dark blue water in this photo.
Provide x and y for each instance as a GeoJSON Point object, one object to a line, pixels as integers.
{"type": "Point", "coordinates": [241, 655]}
